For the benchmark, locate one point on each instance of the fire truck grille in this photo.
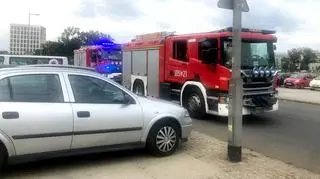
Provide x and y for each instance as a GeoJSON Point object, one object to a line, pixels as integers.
{"type": "Point", "coordinates": [265, 101]}
{"type": "Point", "coordinates": [257, 86]}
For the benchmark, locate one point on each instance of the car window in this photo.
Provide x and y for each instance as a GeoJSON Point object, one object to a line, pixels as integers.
{"type": "Point", "coordinates": [4, 90]}
{"type": "Point", "coordinates": [36, 88]}
{"type": "Point", "coordinates": [93, 90]}
{"type": "Point", "coordinates": [1, 60]}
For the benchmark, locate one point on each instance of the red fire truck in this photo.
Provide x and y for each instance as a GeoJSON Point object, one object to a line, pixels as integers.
{"type": "Point", "coordinates": [106, 58]}
{"type": "Point", "coordinates": [195, 69]}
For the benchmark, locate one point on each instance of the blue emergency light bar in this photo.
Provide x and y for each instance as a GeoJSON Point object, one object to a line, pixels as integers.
{"type": "Point", "coordinates": [230, 29]}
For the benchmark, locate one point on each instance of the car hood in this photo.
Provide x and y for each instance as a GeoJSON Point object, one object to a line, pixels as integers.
{"type": "Point", "coordinates": [158, 106]}
{"type": "Point", "coordinates": [292, 79]}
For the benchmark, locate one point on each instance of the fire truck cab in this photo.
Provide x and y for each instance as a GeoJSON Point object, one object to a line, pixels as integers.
{"type": "Point", "coordinates": [195, 69]}
{"type": "Point", "coordinates": [105, 58]}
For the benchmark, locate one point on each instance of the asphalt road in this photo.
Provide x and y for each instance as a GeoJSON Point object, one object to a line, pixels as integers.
{"type": "Point", "coordinates": [291, 134]}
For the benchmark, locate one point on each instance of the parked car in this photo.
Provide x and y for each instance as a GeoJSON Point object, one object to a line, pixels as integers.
{"type": "Point", "coordinates": [298, 80]}
{"type": "Point", "coordinates": [282, 77]}
{"type": "Point", "coordinates": [315, 83]}
{"type": "Point", "coordinates": [49, 111]}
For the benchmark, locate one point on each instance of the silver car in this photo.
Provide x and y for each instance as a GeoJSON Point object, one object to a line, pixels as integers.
{"type": "Point", "coordinates": [52, 111]}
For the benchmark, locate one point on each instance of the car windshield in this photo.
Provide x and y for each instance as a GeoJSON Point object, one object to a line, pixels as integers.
{"type": "Point", "coordinates": [254, 54]}
{"type": "Point", "coordinates": [297, 75]}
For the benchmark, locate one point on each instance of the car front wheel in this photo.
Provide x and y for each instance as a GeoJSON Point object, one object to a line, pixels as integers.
{"type": "Point", "coordinates": [163, 138]}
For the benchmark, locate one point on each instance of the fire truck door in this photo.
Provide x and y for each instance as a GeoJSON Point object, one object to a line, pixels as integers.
{"type": "Point", "coordinates": [177, 61]}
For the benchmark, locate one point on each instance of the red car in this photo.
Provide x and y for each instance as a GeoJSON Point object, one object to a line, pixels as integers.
{"type": "Point", "coordinates": [298, 80]}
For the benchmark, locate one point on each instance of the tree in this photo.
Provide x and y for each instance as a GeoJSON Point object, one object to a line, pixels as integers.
{"type": "Point", "coordinates": [69, 34]}
{"type": "Point", "coordinates": [308, 56]}
{"type": "Point", "coordinates": [294, 56]}
{"type": "Point", "coordinates": [285, 64]}
{"type": "Point", "coordinates": [70, 39]}
{"type": "Point", "coordinates": [51, 48]}
{"type": "Point", "coordinates": [94, 37]}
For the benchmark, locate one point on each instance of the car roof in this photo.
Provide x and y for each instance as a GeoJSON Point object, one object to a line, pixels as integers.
{"type": "Point", "coordinates": [5, 69]}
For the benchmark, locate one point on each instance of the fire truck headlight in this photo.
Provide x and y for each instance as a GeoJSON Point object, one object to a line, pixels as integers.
{"type": "Point", "coordinates": [255, 73]}
{"type": "Point", "coordinates": [267, 73]}
{"type": "Point", "coordinates": [223, 100]}
{"type": "Point", "coordinates": [262, 72]}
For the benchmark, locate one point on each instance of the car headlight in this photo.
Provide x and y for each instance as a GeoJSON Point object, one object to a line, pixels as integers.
{"type": "Point", "coordinates": [186, 113]}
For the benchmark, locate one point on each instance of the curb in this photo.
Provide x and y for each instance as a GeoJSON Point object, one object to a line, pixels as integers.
{"type": "Point", "coordinates": [299, 101]}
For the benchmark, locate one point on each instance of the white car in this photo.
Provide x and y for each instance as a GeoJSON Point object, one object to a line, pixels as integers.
{"type": "Point", "coordinates": [315, 83]}
{"type": "Point", "coordinates": [51, 111]}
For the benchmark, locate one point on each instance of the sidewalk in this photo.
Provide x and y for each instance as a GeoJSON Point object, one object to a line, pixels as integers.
{"type": "Point", "coordinates": [201, 157]}
{"type": "Point", "coordinates": [299, 95]}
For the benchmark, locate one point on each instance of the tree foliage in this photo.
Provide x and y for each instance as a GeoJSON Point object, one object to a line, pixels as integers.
{"type": "Point", "coordinates": [298, 59]}
{"type": "Point", "coordinates": [70, 39]}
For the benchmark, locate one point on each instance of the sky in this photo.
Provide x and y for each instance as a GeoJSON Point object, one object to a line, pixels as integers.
{"type": "Point", "coordinates": [294, 20]}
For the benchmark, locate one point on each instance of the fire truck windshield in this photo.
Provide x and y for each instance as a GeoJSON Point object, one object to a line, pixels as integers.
{"type": "Point", "coordinates": [254, 54]}
{"type": "Point", "coordinates": [111, 55]}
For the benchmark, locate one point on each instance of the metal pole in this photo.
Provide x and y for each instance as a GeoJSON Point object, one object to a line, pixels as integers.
{"type": "Point", "coordinates": [236, 86]}
{"type": "Point", "coordinates": [28, 36]}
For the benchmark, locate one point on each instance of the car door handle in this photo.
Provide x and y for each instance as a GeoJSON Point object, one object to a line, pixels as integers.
{"type": "Point", "coordinates": [83, 114]}
{"type": "Point", "coordinates": [10, 115]}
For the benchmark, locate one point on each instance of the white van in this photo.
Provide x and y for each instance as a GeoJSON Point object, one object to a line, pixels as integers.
{"type": "Point", "coordinates": [32, 60]}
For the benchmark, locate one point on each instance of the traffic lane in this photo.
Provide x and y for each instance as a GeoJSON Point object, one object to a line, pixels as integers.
{"type": "Point", "coordinates": [69, 167]}
{"type": "Point", "coordinates": [290, 134]}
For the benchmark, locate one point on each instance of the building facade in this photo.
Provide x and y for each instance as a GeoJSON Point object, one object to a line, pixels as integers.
{"type": "Point", "coordinates": [24, 40]}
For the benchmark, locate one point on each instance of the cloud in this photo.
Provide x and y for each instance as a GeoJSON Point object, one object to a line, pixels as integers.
{"type": "Point", "coordinates": [116, 9]}
{"type": "Point", "coordinates": [265, 14]}
{"type": "Point", "coordinates": [295, 20]}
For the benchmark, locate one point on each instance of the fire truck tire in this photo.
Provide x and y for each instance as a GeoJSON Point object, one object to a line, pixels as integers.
{"type": "Point", "coordinates": [194, 103]}
{"type": "Point", "coordinates": [138, 88]}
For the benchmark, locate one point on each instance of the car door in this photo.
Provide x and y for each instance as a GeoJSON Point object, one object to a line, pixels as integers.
{"type": "Point", "coordinates": [101, 117]}
{"type": "Point", "coordinates": [33, 112]}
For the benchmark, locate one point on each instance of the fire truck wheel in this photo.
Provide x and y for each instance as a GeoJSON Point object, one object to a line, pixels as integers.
{"type": "Point", "coordinates": [195, 104]}
{"type": "Point", "coordinates": [163, 138]}
{"type": "Point", "coordinates": [138, 88]}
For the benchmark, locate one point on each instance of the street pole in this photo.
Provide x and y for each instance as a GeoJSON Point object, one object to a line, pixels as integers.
{"type": "Point", "coordinates": [236, 87]}
{"type": "Point", "coordinates": [28, 32]}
